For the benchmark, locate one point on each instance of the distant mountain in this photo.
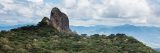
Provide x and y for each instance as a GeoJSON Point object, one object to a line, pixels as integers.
{"type": "Point", "coordinates": [116, 29]}
{"type": "Point", "coordinates": [148, 35]}
{"type": "Point", "coordinates": [157, 49]}
{"type": "Point", "coordinates": [7, 27]}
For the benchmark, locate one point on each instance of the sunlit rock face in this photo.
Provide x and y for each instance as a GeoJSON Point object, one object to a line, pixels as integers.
{"type": "Point", "coordinates": [59, 20]}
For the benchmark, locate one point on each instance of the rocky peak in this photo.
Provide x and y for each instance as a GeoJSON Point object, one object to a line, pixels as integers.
{"type": "Point", "coordinates": [55, 10]}
{"type": "Point", "coordinates": [59, 20]}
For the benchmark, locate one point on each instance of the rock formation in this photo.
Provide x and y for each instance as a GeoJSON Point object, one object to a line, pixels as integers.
{"type": "Point", "coordinates": [58, 20]}
{"type": "Point", "coordinates": [45, 21]}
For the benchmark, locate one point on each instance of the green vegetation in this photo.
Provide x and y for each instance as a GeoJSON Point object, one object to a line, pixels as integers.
{"type": "Point", "coordinates": [45, 39]}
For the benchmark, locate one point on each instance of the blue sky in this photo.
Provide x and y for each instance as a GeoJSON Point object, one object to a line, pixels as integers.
{"type": "Point", "coordinates": [83, 12]}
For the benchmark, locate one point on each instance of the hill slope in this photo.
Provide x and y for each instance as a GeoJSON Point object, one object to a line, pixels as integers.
{"type": "Point", "coordinates": [149, 35]}
{"type": "Point", "coordinates": [45, 39]}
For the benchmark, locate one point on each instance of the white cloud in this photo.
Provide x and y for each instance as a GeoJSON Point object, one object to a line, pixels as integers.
{"type": "Point", "coordinates": [21, 12]}
{"type": "Point", "coordinates": [7, 1]}
{"type": "Point", "coordinates": [70, 3]}
{"type": "Point", "coordinates": [86, 12]}
{"type": "Point", "coordinates": [127, 11]}
{"type": "Point", "coordinates": [36, 1]}
{"type": "Point", "coordinates": [26, 12]}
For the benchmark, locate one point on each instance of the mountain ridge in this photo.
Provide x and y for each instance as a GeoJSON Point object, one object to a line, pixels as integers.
{"type": "Point", "coordinates": [45, 39]}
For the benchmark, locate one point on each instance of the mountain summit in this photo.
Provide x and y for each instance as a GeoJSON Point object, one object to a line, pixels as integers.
{"type": "Point", "coordinates": [58, 20]}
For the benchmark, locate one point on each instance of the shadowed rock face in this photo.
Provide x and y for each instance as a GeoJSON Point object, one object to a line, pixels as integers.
{"type": "Point", "coordinates": [45, 21]}
{"type": "Point", "coordinates": [59, 20]}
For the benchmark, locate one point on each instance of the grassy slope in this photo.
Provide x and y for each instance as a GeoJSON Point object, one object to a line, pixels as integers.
{"type": "Point", "coordinates": [44, 39]}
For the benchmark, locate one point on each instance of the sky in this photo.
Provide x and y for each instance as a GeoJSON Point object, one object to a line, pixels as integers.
{"type": "Point", "coordinates": [83, 12]}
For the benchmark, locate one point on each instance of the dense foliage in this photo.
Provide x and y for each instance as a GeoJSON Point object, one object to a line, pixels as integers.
{"type": "Point", "coordinates": [45, 39]}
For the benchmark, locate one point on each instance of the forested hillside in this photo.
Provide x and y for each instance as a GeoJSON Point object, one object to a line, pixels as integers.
{"type": "Point", "coordinates": [45, 39]}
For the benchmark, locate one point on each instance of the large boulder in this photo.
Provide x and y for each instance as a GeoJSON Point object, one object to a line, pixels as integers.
{"type": "Point", "coordinates": [59, 20]}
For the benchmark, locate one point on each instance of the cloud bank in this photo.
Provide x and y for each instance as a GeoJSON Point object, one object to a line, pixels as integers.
{"type": "Point", "coordinates": [83, 12]}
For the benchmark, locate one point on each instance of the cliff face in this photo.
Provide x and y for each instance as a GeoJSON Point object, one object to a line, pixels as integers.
{"type": "Point", "coordinates": [58, 20]}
